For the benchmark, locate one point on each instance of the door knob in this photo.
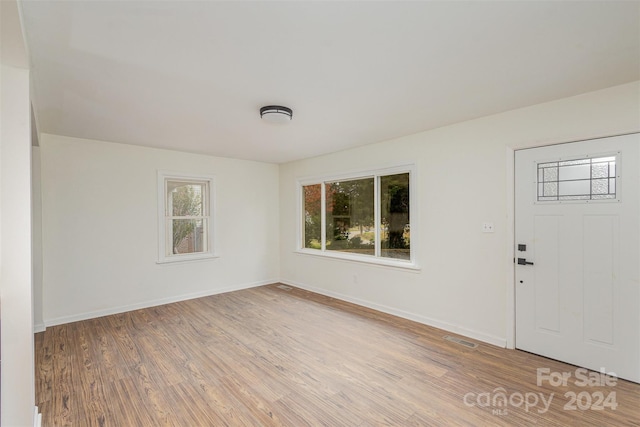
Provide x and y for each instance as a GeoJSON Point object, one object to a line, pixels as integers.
{"type": "Point", "coordinates": [523, 261]}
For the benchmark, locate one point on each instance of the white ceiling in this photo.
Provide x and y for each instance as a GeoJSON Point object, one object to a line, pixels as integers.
{"type": "Point", "coordinates": [192, 75]}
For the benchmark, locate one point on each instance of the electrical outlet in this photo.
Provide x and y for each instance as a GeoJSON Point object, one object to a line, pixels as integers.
{"type": "Point", "coordinates": [487, 227]}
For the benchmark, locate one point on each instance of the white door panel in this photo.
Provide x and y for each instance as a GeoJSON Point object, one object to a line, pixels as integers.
{"type": "Point", "coordinates": [579, 301]}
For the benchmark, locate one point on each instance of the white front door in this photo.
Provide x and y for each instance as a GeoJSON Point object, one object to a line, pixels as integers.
{"type": "Point", "coordinates": [578, 253]}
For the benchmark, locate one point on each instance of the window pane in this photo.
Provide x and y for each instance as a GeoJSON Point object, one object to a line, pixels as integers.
{"type": "Point", "coordinates": [574, 188]}
{"type": "Point", "coordinates": [572, 172]}
{"type": "Point", "coordinates": [575, 162]}
{"type": "Point", "coordinates": [599, 170]}
{"type": "Point", "coordinates": [550, 174]}
{"type": "Point", "coordinates": [550, 189]}
{"type": "Point", "coordinates": [186, 199]}
{"type": "Point", "coordinates": [395, 230]}
{"type": "Point", "coordinates": [312, 210]}
{"type": "Point", "coordinates": [188, 235]}
{"type": "Point", "coordinates": [350, 216]}
{"type": "Point", "coordinates": [600, 186]}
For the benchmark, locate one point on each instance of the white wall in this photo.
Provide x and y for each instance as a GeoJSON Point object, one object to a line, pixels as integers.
{"type": "Point", "coordinates": [462, 182]}
{"type": "Point", "coordinates": [99, 203]}
{"type": "Point", "coordinates": [15, 250]}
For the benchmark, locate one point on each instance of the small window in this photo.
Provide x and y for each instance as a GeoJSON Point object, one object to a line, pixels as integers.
{"type": "Point", "coordinates": [363, 217]}
{"type": "Point", "coordinates": [578, 179]}
{"type": "Point", "coordinates": [185, 217]}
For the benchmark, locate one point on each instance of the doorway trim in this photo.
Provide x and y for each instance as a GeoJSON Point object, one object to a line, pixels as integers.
{"type": "Point", "coordinates": [510, 154]}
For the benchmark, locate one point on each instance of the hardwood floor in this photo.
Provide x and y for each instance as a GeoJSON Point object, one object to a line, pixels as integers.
{"type": "Point", "coordinates": [268, 357]}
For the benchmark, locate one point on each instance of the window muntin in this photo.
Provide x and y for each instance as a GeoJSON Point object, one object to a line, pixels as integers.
{"type": "Point", "coordinates": [185, 217]}
{"type": "Point", "coordinates": [592, 178]}
{"type": "Point", "coordinates": [364, 216]}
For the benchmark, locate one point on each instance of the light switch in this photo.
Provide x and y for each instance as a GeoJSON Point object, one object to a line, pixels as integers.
{"type": "Point", "coordinates": [487, 227]}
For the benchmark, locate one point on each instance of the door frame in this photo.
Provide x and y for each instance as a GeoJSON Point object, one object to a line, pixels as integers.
{"type": "Point", "coordinates": [510, 158]}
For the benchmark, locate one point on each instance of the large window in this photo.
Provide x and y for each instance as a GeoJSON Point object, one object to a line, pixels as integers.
{"type": "Point", "coordinates": [365, 216]}
{"type": "Point", "coordinates": [185, 217]}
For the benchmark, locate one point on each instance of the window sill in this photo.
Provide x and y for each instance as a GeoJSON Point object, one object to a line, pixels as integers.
{"type": "Point", "coordinates": [382, 262]}
{"type": "Point", "coordinates": [186, 258]}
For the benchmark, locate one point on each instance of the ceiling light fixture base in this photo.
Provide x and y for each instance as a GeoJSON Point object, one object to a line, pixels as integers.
{"type": "Point", "coordinates": [276, 113]}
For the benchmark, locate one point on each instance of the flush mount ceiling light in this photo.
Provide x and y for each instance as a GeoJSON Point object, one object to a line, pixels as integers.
{"type": "Point", "coordinates": [276, 114]}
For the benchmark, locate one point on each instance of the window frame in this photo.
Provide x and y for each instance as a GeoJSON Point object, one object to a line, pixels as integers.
{"type": "Point", "coordinates": [377, 259]}
{"type": "Point", "coordinates": [162, 178]}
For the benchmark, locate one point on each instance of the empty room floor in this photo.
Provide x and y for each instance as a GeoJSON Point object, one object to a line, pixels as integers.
{"type": "Point", "coordinates": [270, 356]}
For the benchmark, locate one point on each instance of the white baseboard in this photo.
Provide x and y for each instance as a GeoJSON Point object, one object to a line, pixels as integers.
{"type": "Point", "coordinates": [460, 330]}
{"type": "Point", "coordinates": [37, 418]}
{"type": "Point", "coordinates": [39, 327]}
{"type": "Point", "coordinates": [450, 327]}
{"type": "Point", "coordinates": [153, 303]}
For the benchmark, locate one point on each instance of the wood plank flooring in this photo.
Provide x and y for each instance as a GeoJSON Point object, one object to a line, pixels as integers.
{"type": "Point", "coordinates": [272, 357]}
